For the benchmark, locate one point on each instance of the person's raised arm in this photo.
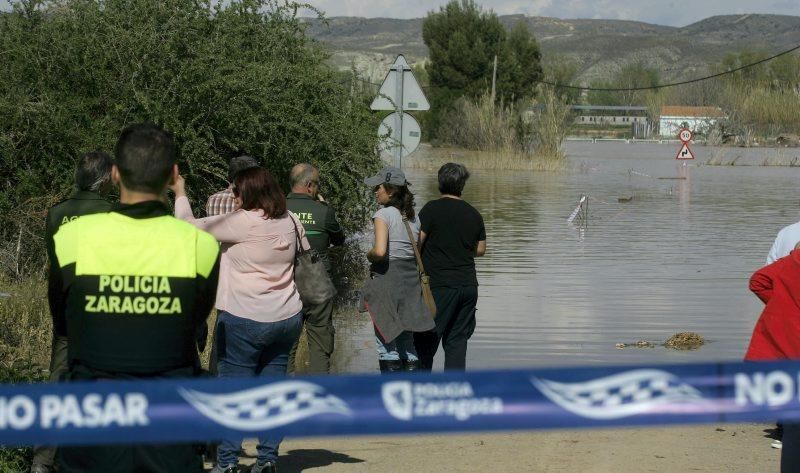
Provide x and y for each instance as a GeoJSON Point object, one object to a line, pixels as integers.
{"type": "Point", "coordinates": [381, 246]}
{"type": "Point", "coordinates": [226, 228]}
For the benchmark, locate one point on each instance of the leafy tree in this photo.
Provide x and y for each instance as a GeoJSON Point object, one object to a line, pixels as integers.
{"type": "Point", "coordinates": [562, 70]}
{"type": "Point", "coordinates": [226, 77]}
{"type": "Point", "coordinates": [758, 73]}
{"type": "Point", "coordinates": [519, 67]}
{"type": "Point", "coordinates": [629, 76]}
{"type": "Point", "coordinates": [463, 41]}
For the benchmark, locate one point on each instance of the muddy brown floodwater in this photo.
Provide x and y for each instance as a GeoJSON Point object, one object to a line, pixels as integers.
{"type": "Point", "coordinates": [658, 256]}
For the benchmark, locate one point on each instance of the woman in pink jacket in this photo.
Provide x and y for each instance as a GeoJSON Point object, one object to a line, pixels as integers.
{"type": "Point", "coordinates": [259, 309]}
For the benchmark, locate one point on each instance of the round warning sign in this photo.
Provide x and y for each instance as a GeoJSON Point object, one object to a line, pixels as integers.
{"type": "Point", "coordinates": [685, 135]}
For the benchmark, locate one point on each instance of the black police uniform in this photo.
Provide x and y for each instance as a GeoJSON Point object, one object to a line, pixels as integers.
{"type": "Point", "coordinates": [137, 285]}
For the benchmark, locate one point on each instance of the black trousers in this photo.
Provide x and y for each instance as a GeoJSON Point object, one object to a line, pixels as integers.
{"type": "Point", "coordinates": [45, 455]}
{"type": "Point", "coordinates": [790, 452]}
{"type": "Point", "coordinates": [455, 323]}
{"type": "Point", "coordinates": [130, 459]}
{"type": "Point", "coordinates": [154, 458]}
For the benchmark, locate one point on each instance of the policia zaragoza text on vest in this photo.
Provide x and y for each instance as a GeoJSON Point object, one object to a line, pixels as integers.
{"type": "Point", "coordinates": [137, 285]}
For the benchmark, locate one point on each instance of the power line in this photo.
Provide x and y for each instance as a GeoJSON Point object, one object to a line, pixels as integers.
{"type": "Point", "coordinates": [628, 89]}
{"type": "Point", "coordinates": [673, 84]}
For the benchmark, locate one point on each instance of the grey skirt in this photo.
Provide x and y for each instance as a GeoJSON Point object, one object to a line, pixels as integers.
{"type": "Point", "coordinates": [393, 298]}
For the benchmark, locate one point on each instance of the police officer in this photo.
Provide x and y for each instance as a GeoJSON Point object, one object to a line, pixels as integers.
{"type": "Point", "coordinates": [137, 285]}
{"type": "Point", "coordinates": [93, 183]}
{"type": "Point", "coordinates": [322, 230]}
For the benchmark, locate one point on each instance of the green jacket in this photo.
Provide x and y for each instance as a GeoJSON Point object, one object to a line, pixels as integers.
{"type": "Point", "coordinates": [319, 221]}
{"type": "Point", "coordinates": [76, 205]}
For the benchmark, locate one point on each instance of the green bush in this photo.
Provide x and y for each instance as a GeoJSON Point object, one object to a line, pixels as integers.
{"type": "Point", "coordinates": [226, 77]}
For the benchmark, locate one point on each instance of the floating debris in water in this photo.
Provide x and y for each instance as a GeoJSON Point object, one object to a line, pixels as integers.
{"type": "Point", "coordinates": [679, 341]}
{"type": "Point", "coordinates": [685, 341]}
{"type": "Point", "coordinates": [639, 344]}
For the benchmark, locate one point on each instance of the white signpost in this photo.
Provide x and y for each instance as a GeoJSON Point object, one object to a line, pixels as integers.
{"type": "Point", "coordinates": [399, 92]}
{"type": "Point", "coordinates": [411, 134]}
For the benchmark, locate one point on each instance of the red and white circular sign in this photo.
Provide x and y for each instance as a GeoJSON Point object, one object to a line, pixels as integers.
{"type": "Point", "coordinates": [685, 135]}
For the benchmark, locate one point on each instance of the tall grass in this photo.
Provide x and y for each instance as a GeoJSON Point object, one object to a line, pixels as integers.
{"type": "Point", "coordinates": [508, 137]}
{"type": "Point", "coordinates": [759, 111]}
{"type": "Point", "coordinates": [25, 324]}
{"type": "Point", "coordinates": [547, 127]}
{"type": "Point", "coordinates": [481, 125]}
{"type": "Point", "coordinates": [25, 334]}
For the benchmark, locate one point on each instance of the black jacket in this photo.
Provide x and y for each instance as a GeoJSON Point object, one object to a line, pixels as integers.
{"type": "Point", "coordinates": [137, 286]}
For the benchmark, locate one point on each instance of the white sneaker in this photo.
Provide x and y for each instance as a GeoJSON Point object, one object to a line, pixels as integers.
{"type": "Point", "coordinates": [776, 444]}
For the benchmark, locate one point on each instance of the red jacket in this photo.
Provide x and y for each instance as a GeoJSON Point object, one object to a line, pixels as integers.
{"type": "Point", "coordinates": [777, 332]}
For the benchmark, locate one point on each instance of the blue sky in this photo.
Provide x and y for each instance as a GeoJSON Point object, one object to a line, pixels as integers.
{"type": "Point", "coordinates": [664, 12]}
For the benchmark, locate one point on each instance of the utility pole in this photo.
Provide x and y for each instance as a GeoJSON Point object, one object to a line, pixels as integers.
{"type": "Point", "coordinates": [494, 79]}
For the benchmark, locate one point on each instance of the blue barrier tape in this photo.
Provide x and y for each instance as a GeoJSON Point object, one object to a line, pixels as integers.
{"type": "Point", "coordinates": [211, 409]}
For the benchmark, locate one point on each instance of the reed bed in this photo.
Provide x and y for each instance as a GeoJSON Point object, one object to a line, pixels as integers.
{"type": "Point", "coordinates": [780, 157]}
{"type": "Point", "coordinates": [758, 111]}
{"type": "Point", "coordinates": [431, 158]}
{"type": "Point", "coordinates": [488, 135]}
{"type": "Point", "coordinates": [25, 324]}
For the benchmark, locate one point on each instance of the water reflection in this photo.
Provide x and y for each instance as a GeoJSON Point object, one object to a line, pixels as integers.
{"type": "Point", "coordinates": [674, 257]}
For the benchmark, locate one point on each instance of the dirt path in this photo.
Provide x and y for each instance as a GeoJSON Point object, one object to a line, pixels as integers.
{"type": "Point", "coordinates": [708, 448]}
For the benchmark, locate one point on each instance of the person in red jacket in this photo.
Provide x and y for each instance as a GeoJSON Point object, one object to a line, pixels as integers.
{"type": "Point", "coordinates": [776, 335]}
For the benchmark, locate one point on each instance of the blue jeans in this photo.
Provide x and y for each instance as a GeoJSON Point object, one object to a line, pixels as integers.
{"type": "Point", "coordinates": [249, 348]}
{"type": "Point", "coordinates": [401, 348]}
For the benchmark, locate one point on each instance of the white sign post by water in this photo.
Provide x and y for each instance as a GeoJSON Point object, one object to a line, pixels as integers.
{"type": "Point", "coordinates": [399, 92]}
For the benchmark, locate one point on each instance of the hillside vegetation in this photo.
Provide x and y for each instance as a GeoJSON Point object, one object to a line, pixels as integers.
{"type": "Point", "coordinates": [599, 47]}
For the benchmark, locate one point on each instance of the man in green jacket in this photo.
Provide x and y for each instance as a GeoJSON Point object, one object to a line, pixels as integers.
{"type": "Point", "coordinates": [93, 183]}
{"type": "Point", "coordinates": [322, 231]}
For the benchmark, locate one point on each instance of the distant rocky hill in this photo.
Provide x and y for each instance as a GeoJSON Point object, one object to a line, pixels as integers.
{"type": "Point", "coordinates": [599, 46]}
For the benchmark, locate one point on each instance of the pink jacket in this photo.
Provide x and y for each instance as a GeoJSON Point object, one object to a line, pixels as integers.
{"type": "Point", "coordinates": [256, 273]}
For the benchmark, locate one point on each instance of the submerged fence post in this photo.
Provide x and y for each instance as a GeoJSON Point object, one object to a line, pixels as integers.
{"type": "Point", "coordinates": [581, 211]}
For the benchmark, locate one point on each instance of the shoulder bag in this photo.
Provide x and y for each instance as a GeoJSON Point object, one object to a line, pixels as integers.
{"type": "Point", "coordinates": [312, 279]}
{"type": "Point", "coordinates": [424, 279]}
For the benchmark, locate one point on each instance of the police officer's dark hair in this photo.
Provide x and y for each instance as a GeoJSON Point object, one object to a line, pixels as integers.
{"type": "Point", "coordinates": [257, 189]}
{"type": "Point", "coordinates": [452, 178]}
{"type": "Point", "coordinates": [93, 171]}
{"type": "Point", "coordinates": [239, 164]}
{"type": "Point", "coordinates": [304, 177]}
{"type": "Point", "coordinates": [145, 154]}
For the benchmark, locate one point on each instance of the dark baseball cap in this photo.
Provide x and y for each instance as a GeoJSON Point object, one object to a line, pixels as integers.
{"type": "Point", "coordinates": [388, 175]}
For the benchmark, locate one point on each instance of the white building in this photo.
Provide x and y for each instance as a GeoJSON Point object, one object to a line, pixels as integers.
{"type": "Point", "coordinates": [697, 119]}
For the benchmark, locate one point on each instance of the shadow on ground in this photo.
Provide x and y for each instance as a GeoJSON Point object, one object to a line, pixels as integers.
{"type": "Point", "coordinates": [295, 461]}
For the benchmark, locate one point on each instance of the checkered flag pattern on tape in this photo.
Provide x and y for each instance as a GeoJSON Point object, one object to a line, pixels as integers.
{"type": "Point", "coordinates": [629, 393]}
{"type": "Point", "coordinates": [268, 406]}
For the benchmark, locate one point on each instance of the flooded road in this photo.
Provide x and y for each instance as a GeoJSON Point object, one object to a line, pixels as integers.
{"type": "Point", "coordinates": [658, 256]}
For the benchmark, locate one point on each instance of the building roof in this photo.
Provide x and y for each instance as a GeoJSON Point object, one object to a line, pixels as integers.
{"type": "Point", "coordinates": [684, 111]}
{"type": "Point", "coordinates": [609, 107]}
